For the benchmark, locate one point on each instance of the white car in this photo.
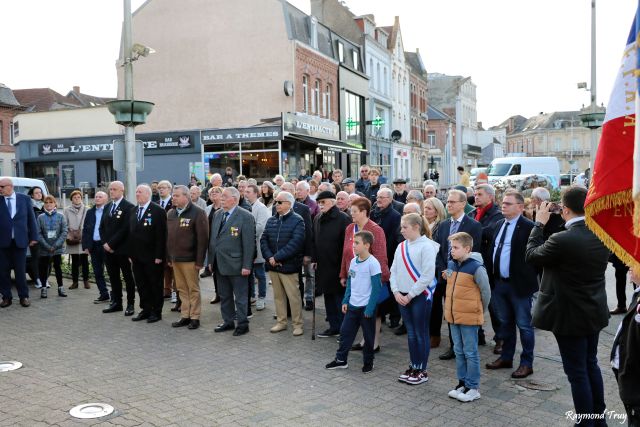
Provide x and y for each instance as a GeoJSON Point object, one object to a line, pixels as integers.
{"type": "Point", "coordinates": [23, 185]}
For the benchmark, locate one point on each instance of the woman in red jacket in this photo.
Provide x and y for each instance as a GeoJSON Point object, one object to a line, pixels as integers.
{"type": "Point", "coordinates": [360, 210]}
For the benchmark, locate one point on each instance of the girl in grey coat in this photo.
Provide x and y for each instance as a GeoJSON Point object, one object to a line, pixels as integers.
{"type": "Point", "coordinates": [52, 232]}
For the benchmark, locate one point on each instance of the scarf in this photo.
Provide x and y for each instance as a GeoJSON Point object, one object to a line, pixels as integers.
{"type": "Point", "coordinates": [481, 211]}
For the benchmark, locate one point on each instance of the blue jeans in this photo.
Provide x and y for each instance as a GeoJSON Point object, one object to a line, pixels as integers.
{"type": "Point", "coordinates": [580, 363]}
{"type": "Point", "coordinates": [97, 263]}
{"type": "Point", "coordinates": [416, 316]}
{"type": "Point", "coordinates": [465, 346]}
{"type": "Point", "coordinates": [258, 271]}
{"type": "Point", "coordinates": [514, 310]}
{"type": "Point", "coordinates": [333, 306]}
{"type": "Point", "coordinates": [353, 320]}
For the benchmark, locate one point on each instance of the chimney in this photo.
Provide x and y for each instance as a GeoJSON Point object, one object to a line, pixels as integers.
{"type": "Point", "coordinates": [76, 89]}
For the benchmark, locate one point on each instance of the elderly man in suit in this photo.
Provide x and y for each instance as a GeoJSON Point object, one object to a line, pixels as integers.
{"type": "Point", "coordinates": [165, 189]}
{"type": "Point", "coordinates": [513, 282]}
{"type": "Point", "coordinates": [573, 300]}
{"type": "Point", "coordinates": [457, 222]}
{"type": "Point", "coordinates": [147, 249]}
{"type": "Point", "coordinates": [92, 243]}
{"type": "Point", "coordinates": [232, 247]}
{"type": "Point", "coordinates": [114, 230]}
{"type": "Point", "coordinates": [18, 230]}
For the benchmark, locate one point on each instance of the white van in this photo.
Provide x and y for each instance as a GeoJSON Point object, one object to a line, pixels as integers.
{"type": "Point", "coordinates": [505, 166]}
{"type": "Point", "coordinates": [23, 185]}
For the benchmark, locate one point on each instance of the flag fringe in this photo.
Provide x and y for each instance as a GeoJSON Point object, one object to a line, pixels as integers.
{"type": "Point", "coordinates": [608, 202]}
{"type": "Point", "coordinates": [636, 215]}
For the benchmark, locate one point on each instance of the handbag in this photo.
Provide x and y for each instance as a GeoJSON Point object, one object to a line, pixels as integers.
{"type": "Point", "coordinates": [384, 293]}
{"type": "Point", "coordinates": [74, 237]}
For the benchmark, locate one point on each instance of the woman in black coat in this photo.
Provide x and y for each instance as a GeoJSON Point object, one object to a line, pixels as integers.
{"type": "Point", "coordinates": [329, 228]}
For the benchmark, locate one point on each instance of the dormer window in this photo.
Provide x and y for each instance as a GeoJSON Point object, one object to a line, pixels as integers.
{"type": "Point", "coordinates": [340, 52]}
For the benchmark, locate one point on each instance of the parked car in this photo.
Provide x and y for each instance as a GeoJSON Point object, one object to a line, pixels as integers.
{"type": "Point", "coordinates": [565, 179]}
{"type": "Point", "coordinates": [23, 185]}
{"type": "Point", "coordinates": [507, 166]}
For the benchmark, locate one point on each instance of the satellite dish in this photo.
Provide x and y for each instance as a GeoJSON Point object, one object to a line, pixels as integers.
{"type": "Point", "coordinates": [396, 135]}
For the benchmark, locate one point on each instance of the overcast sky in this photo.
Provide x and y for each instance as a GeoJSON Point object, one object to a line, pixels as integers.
{"type": "Point", "coordinates": [524, 56]}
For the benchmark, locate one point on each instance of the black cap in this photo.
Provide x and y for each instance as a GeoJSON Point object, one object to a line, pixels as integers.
{"type": "Point", "coordinates": [348, 181]}
{"type": "Point", "coordinates": [399, 181]}
{"type": "Point", "coordinates": [325, 195]}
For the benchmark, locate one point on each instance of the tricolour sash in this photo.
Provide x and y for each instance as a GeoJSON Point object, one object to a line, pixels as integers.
{"type": "Point", "coordinates": [414, 273]}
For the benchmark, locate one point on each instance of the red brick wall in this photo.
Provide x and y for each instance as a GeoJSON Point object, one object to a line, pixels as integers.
{"type": "Point", "coordinates": [317, 68]}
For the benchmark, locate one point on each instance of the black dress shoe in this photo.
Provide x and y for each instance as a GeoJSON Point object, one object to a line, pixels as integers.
{"type": "Point", "coordinates": [25, 302]}
{"type": "Point", "coordinates": [447, 355]}
{"type": "Point", "coordinates": [195, 324]}
{"type": "Point", "coordinates": [618, 310]}
{"type": "Point", "coordinates": [394, 323]}
{"type": "Point", "coordinates": [154, 318]}
{"type": "Point", "coordinates": [129, 311]}
{"type": "Point", "coordinates": [101, 299]}
{"type": "Point", "coordinates": [401, 330]}
{"type": "Point", "coordinates": [205, 273]}
{"type": "Point", "coordinates": [141, 316]}
{"type": "Point", "coordinates": [481, 339]}
{"type": "Point", "coordinates": [6, 302]}
{"type": "Point", "coordinates": [113, 307]}
{"type": "Point", "coordinates": [215, 300]}
{"type": "Point", "coordinates": [240, 331]}
{"type": "Point", "coordinates": [184, 321]}
{"type": "Point", "coordinates": [223, 327]}
{"type": "Point", "coordinates": [176, 308]}
{"type": "Point", "coordinates": [308, 306]}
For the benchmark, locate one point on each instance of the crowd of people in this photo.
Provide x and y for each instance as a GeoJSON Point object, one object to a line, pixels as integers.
{"type": "Point", "coordinates": [378, 254]}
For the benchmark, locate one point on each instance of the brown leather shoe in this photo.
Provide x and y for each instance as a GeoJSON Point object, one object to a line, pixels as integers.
{"type": "Point", "coordinates": [25, 302]}
{"type": "Point", "coordinates": [74, 285]}
{"type": "Point", "coordinates": [498, 348]}
{"type": "Point", "coordinates": [522, 372]}
{"type": "Point", "coordinates": [618, 310]}
{"type": "Point", "coordinates": [6, 302]}
{"type": "Point", "coordinates": [435, 342]}
{"type": "Point", "coordinates": [87, 285]}
{"type": "Point", "coordinates": [500, 364]}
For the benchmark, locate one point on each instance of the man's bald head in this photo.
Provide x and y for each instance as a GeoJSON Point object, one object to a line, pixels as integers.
{"type": "Point", "coordinates": [116, 190]}
{"type": "Point", "coordinates": [6, 186]}
{"type": "Point", "coordinates": [289, 188]}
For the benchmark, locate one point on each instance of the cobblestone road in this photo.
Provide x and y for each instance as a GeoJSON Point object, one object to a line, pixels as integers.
{"type": "Point", "coordinates": [155, 375]}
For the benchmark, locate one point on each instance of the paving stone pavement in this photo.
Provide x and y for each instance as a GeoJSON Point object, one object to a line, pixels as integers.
{"type": "Point", "coordinates": [155, 375]}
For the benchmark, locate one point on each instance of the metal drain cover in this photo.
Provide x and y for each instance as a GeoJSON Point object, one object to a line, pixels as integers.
{"type": "Point", "coordinates": [91, 410]}
{"type": "Point", "coordinates": [9, 366]}
{"type": "Point", "coordinates": [536, 385]}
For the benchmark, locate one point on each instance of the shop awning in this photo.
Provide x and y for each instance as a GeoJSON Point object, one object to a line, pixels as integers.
{"type": "Point", "coordinates": [329, 143]}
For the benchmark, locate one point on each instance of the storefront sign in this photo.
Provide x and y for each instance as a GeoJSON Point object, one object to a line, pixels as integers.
{"type": "Point", "coordinates": [266, 133]}
{"type": "Point", "coordinates": [315, 127]}
{"type": "Point", "coordinates": [149, 142]}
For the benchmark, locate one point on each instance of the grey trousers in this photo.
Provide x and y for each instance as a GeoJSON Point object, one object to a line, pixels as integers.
{"type": "Point", "coordinates": [230, 288]}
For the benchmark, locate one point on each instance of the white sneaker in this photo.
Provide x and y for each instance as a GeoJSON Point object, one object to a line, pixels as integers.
{"type": "Point", "coordinates": [417, 377]}
{"type": "Point", "coordinates": [38, 284]}
{"type": "Point", "coordinates": [174, 297]}
{"type": "Point", "coordinates": [260, 304]}
{"type": "Point", "coordinates": [48, 285]}
{"type": "Point", "coordinates": [469, 396]}
{"type": "Point", "coordinates": [404, 376]}
{"type": "Point", "coordinates": [456, 392]}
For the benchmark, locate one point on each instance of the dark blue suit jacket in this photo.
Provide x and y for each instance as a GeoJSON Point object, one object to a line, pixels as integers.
{"type": "Point", "coordinates": [468, 225]}
{"type": "Point", "coordinates": [23, 223]}
{"type": "Point", "coordinates": [87, 229]}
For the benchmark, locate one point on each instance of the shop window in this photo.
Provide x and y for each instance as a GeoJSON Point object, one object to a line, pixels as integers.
{"type": "Point", "coordinates": [353, 117]}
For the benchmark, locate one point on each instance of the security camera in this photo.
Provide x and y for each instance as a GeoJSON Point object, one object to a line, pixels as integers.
{"type": "Point", "coordinates": [141, 50]}
{"type": "Point", "coordinates": [582, 85]}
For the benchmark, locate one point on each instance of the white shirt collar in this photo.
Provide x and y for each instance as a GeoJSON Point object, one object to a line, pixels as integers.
{"type": "Point", "coordinates": [459, 219]}
{"type": "Point", "coordinates": [573, 221]}
{"type": "Point", "coordinates": [117, 202]}
{"type": "Point", "coordinates": [166, 201]}
{"type": "Point", "coordinates": [12, 196]}
{"type": "Point", "coordinates": [513, 220]}
{"type": "Point", "coordinates": [145, 206]}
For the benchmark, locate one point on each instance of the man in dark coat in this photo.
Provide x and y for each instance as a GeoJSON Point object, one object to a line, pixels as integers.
{"type": "Point", "coordinates": [388, 219]}
{"type": "Point", "coordinates": [457, 222]}
{"type": "Point", "coordinates": [374, 185]}
{"type": "Point", "coordinates": [92, 243]}
{"type": "Point", "coordinates": [487, 213]}
{"type": "Point", "coordinates": [329, 227]}
{"type": "Point", "coordinates": [573, 300]}
{"type": "Point", "coordinates": [363, 182]}
{"type": "Point", "coordinates": [400, 187]}
{"type": "Point", "coordinates": [146, 247]}
{"type": "Point", "coordinates": [114, 230]}
{"type": "Point", "coordinates": [513, 282]}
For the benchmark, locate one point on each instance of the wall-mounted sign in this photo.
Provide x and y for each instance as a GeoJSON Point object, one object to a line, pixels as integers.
{"type": "Point", "coordinates": [68, 176]}
{"type": "Point", "coordinates": [265, 133]}
{"type": "Point", "coordinates": [313, 126]}
{"type": "Point", "coordinates": [150, 143]}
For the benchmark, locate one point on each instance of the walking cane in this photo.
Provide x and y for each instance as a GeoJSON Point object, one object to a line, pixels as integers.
{"type": "Point", "coordinates": [313, 318]}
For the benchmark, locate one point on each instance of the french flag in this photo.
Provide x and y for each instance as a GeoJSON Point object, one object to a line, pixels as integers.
{"type": "Point", "coordinates": [612, 208]}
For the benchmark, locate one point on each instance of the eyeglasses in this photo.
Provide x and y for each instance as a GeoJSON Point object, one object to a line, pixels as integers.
{"type": "Point", "coordinates": [510, 203]}
{"type": "Point", "coordinates": [454, 201]}
{"type": "Point", "coordinates": [279, 202]}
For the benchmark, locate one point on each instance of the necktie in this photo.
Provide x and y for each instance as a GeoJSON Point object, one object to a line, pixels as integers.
{"type": "Point", "coordinates": [162, 204]}
{"type": "Point", "coordinates": [140, 210]}
{"type": "Point", "coordinates": [10, 207]}
{"type": "Point", "coordinates": [496, 260]}
{"type": "Point", "coordinates": [113, 209]}
{"type": "Point", "coordinates": [453, 229]}
{"type": "Point", "coordinates": [225, 215]}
